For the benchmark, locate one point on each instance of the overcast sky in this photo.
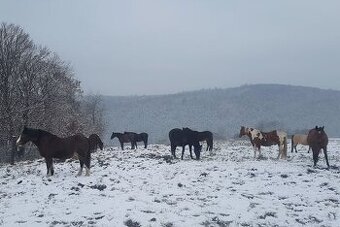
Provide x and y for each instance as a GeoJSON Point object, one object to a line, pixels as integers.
{"type": "Point", "coordinates": [159, 47]}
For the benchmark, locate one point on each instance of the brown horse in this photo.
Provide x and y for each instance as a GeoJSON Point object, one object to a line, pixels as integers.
{"type": "Point", "coordinates": [123, 138]}
{"type": "Point", "coordinates": [95, 142]}
{"type": "Point", "coordinates": [258, 139]}
{"type": "Point", "coordinates": [51, 146]}
{"type": "Point", "coordinates": [299, 139]}
{"type": "Point", "coordinates": [179, 137]}
{"type": "Point", "coordinates": [317, 140]}
{"type": "Point", "coordinates": [138, 137]}
{"type": "Point", "coordinates": [208, 137]}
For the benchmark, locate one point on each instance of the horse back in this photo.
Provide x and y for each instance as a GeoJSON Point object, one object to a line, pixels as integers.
{"type": "Point", "coordinates": [63, 148]}
{"type": "Point", "coordinates": [273, 138]}
{"type": "Point", "coordinates": [300, 139]}
{"type": "Point", "coordinates": [205, 135]}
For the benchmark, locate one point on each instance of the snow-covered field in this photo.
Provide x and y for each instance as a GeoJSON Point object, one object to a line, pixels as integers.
{"type": "Point", "coordinates": [146, 187]}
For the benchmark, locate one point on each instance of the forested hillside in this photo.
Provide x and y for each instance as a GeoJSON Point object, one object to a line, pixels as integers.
{"type": "Point", "coordinates": [223, 111]}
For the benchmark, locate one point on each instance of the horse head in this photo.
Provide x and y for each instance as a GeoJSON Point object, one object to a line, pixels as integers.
{"type": "Point", "coordinates": [197, 150]}
{"type": "Point", "coordinates": [26, 135]}
{"type": "Point", "coordinates": [113, 135]}
{"type": "Point", "coordinates": [242, 131]}
{"type": "Point", "coordinates": [101, 145]}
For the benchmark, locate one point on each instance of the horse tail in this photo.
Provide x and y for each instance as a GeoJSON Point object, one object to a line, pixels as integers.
{"type": "Point", "coordinates": [292, 143]}
{"type": "Point", "coordinates": [146, 140]}
{"type": "Point", "coordinates": [92, 144]}
{"type": "Point", "coordinates": [285, 147]}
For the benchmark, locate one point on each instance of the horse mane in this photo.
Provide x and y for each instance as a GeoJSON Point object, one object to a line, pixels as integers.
{"type": "Point", "coordinates": [37, 132]}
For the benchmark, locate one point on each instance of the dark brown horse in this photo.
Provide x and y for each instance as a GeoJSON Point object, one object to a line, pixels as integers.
{"type": "Point", "coordinates": [208, 137]}
{"type": "Point", "coordinates": [123, 138]}
{"type": "Point", "coordinates": [95, 142]}
{"type": "Point", "coordinates": [258, 139]}
{"type": "Point", "coordinates": [317, 140]}
{"type": "Point", "coordinates": [179, 137]}
{"type": "Point", "coordinates": [51, 146]}
{"type": "Point", "coordinates": [138, 137]}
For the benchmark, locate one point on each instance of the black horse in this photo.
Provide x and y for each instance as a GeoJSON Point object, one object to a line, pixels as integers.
{"type": "Point", "coordinates": [123, 138]}
{"type": "Point", "coordinates": [317, 140]}
{"type": "Point", "coordinates": [138, 137]}
{"type": "Point", "coordinates": [51, 146]}
{"type": "Point", "coordinates": [208, 137]}
{"type": "Point", "coordinates": [94, 142]}
{"type": "Point", "coordinates": [179, 137]}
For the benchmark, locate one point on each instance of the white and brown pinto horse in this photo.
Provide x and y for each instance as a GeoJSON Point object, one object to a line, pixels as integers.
{"type": "Point", "coordinates": [299, 139]}
{"type": "Point", "coordinates": [258, 139]}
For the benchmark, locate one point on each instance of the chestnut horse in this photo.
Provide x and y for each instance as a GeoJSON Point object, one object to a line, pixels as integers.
{"type": "Point", "coordinates": [258, 139]}
{"type": "Point", "coordinates": [317, 140]}
{"type": "Point", "coordinates": [299, 139]}
{"type": "Point", "coordinates": [51, 146]}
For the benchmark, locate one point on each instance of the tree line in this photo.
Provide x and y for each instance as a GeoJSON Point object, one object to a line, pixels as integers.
{"type": "Point", "coordinates": [38, 89]}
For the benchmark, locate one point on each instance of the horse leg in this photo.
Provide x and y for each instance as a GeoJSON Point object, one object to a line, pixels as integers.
{"type": "Point", "coordinates": [315, 156]}
{"type": "Point", "coordinates": [308, 149]}
{"type": "Point", "coordinates": [81, 166]}
{"type": "Point", "coordinates": [183, 148]}
{"type": "Point", "coordinates": [326, 156]}
{"type": "Point", "coordinates": [292, 150]}
{"type": "Point", "coordinates": [190, 150]}
{"type": "Point", "coordinates": [88, 163]}
{"type": "Point", "coordinates": [208, 146]}
{"type": "Point", "coordinates": [173, 150]}
{"type": "Point", "coordinates": [254, 147]}
{"type": "Point", "coordinates": [49, 165]}
{"type": "Point", "coordinates": [280, 151]}
{"type": "Point", "coordinates": [122, 145]}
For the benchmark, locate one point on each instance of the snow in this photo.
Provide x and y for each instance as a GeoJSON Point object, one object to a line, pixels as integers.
{"type": "Point", "coordinates": [145, 187]}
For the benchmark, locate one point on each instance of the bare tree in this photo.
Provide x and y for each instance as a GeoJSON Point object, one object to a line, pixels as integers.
{"type": "Point", "coordinates": [93, 114]}
{"type": "Point", "coordinates": [38, 89]}
{"type": "Point", "coordinates": [14, 45]}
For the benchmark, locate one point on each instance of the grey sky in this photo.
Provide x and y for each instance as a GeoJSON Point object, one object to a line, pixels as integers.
{"type": "Point", "coordinates": [158, 47]}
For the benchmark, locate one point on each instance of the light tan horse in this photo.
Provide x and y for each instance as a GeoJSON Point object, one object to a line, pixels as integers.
{"type": "Point", "coordinates": [299, 139]}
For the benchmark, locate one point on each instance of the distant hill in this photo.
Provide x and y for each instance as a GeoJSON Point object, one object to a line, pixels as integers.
{"type": "Point", "coordinates": [223, 111]}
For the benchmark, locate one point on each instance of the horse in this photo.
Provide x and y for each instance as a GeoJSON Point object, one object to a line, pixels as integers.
{"type": "Point", "coordinates": [258, 139]}
{"type": "Point", "coordinates": [317, 140]}
{"type": "Point", "coordinates": [51, 146]}
{"type": "Point", "coordinates": [123, 138]}
{"type": "Point", "coordinates": [299, 139]}
{"type": "Point", "coordinates": [138, 137]}
{"type": "Point", "coordinates": [179, 137]}
{"type": "Point", "coordinates": [208, 137]}
{"type": "Point", "coordinates": [94, 142]}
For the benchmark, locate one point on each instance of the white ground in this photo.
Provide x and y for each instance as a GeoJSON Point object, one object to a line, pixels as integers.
{"type": "Point", "coordinates": [146, 188]}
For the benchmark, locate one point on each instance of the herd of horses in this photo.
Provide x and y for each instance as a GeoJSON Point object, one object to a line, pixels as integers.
{"type": "Point", "coordinates": [316, 139]}
{"type": "Point", "coordinates": [51, 146]}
